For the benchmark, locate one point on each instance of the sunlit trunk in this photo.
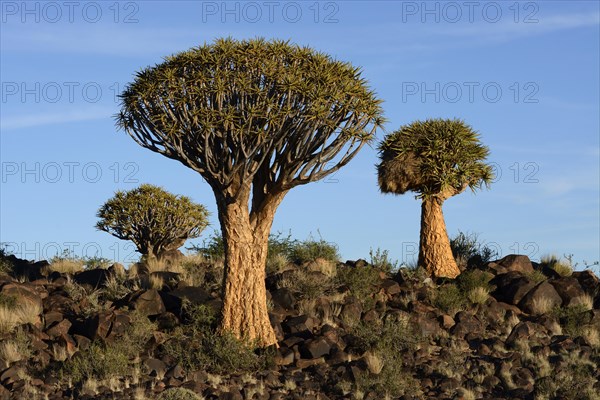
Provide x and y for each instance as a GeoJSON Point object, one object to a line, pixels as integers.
{"type": "Point", "coordinates": [246, 239]}
{"type": "Point", "coordinates": [435, 253]}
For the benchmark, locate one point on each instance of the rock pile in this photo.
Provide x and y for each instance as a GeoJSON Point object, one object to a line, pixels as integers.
{"type": "Point", "coordinates": [503, 330]}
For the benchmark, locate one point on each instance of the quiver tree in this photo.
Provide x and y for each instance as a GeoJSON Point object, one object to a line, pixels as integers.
{"type": "Point", "coordinates": [437, 159]}
{"type": "Point", "coordinates": [254, 118]}
{"type": "Point", "coordinates": [156, 221]}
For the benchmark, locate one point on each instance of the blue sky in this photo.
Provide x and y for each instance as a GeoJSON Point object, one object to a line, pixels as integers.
{"type": "Point", "coordinates": [523, 74]}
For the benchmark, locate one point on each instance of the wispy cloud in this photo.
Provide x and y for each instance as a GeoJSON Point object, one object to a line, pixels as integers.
{"type": "Point", "coordinates": [54, 118]}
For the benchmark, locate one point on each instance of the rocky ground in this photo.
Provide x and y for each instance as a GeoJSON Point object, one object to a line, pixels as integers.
{"type": "Point", "coordinates": [509, 329]}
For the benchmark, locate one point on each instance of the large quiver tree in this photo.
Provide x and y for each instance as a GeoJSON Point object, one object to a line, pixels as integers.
{"type": "Point", "coordinates": [437, 159]}
{"type": "Point", "coordinates": [255, 118]}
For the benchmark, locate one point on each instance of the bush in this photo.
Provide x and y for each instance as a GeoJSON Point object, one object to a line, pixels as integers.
{"type": "Point", "coordinates": [311, 249]}
{"type": "Point", "coordinates": [449, 298]}
{"type": "Point", "coordinates": [6, 266]}
{"type": "Point", "coordinates": [383, 343]}
{"type": "Point", "coordinates": [360, 280]}
{"type": "Point", "coordinates": [154, 220]}
{"type": "Point", "coordinates": [380, 260]}
{"type": "Point", "coordinates": [102, 361]}
{"type": "Point", "coordinates": [178, 394]}
{"type": "Point", "coordinates": [466, 246]}
{"type": "Point", "coordinates": [196, 345]}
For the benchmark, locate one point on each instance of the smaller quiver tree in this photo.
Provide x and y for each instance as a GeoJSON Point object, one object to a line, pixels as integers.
{"type": "Point", "coordinates": [437, 159]}
{"type": "Point", "coordinates": [155, 220]}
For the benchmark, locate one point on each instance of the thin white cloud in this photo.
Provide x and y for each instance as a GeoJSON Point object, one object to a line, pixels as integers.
{"type": "Point", "coordinates": [54, 118]}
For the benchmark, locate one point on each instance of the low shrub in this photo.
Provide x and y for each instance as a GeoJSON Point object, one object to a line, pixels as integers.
{"type": "Point", "coordinates": [360, 280]}
{"type": "Point", "coordinates": [178, 394]}
{"type": "Point", "coordinates": [196, 345]}
{"type": "Point", "coordinates": [467, 245]}
{"type": "Point", "coordinates": [383, 342]}
{"type": "Point", "coordinates": [449, 298]}
{"type": "Point", "coordinates": [380, 260]}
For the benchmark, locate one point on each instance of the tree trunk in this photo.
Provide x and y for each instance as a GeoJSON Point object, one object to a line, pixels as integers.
{"type": "Point", "coordinates": [435, 253]}
{"type": "Point", "coordinates": [246, 239]}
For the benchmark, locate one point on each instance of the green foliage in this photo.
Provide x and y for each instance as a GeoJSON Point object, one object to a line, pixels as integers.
{"type": "Point", "coordinates": [98, 361]}
{"type": "Point", "coordinates": [573, 320]}
{"type": "Point", "coordinates": [311, 249]}
{"type": "Point", "coordinates": [213, 248]}
{"type": "Point", "coordinates": [380, 260]}
{"type": "Point", "coordinates": [472, 279]}
{"type": "Point", "coordinates": [449, 298]}
{"type": "Point", "coordinates": [6, 266]}
{"type": "Point", "coordinates": [434, 156]}
{"type": "Point", "coordinates": [153, 219]}
{"type": "Point", "coordinates": [295, 250]}
{"type": "Point", "coordinates": [260, 86]}
{"type": "Point", "coordinates": [360, 280]}
{"type": "Point", "coordinates": [196, 345]}
{"type": "Point", "coordinates": [467, 245]}
{"type": "Point", "coordinates": [388, 340]}
{"type": "Point", "coordinates": [574, 380]}
{"type": "Point", "coordinates": [308, 285]}
{"type": "Point", "coordinates": [178, 394]}
{"type": "Point", "coordinates": [102, 361]}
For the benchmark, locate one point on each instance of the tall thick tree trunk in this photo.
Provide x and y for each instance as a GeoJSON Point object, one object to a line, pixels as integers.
{"type": "Point", "coordinates": [246, 239]}
{"type": "Point", "coordinates": [435, 253]}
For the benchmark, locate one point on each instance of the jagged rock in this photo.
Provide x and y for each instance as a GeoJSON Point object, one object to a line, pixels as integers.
{"type": "Point", "coordinates": [351, 313]}
{"type": "Point", "coordinates": [511, 287]}
{"type": "Point", "coordinates": [391, 287]}
{"type": "Point", "coordinates": [107, 325]}
{"type": "Point", "coordinates": [588, 281]}
{"type": "Point", "coordinates": [62, 304]}
{"type": "Point", "coordinates": [23, 293]}
{"type": "Point", "coordinates": [543, 293]}
{"type": "Point", "coordinates": [299, 324]}
{"type": "Point", "coordinates": [315, 348]}
{"type": "Point", "coordinates": [148, 302]}
{"type": "Point", "coordinates": [446, 321]}
{"type": "Point", "coordinates": [521, 331]}
{"type": "Point", "coordinates": [284, 356]}
{"type": "Point", "coordinates": [284, 298]}
{"type": "Point", "coordinates": [94, 278]}
{"type": "Point", "coordinates": [516, 262]}
{"type": "Point", "coordinates": [173, 300]}
{"type": "Point", "coordinates": [568, 289]}
{"type": "Point", "coordinates": [466, 323]}
{"type": "Point", "coordinates": [155, 367]}
{"type": "Point", "coordinates": [28, 270]}
{"type": "Point", "coordinates": [167, 321]}
{"type": "Point", "coordinates": [59, 328]}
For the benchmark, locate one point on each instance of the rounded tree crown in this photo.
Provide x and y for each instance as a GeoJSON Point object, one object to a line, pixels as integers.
{"type": "Point", "coordinates": [230, 107]}
{"type": "Point", "coordinates": [152, 218]}
{"type": "Point", "coordinates": [432, 157]}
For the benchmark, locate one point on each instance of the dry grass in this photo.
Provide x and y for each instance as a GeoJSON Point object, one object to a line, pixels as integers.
{"type": "Point", "coordinates": [374, 362]}
{"type": "Point", "coordinates": [10, 351]}
{"type": "Point", "coordinates": [277, 262]}
{"type": "Point", "coordinates": [25, 313]}
{"type": "Point", "coordinates": [562, 267]}
{"type": "Point", "coordinates": [542, 305]}
{"type": "Point", "coordinates": [592, 336]}
{"type": "Point", "coordinates": [67, 266]}
{"type": "Point", "coordinates": [585, 301]}
{"type": "Point", "coordinates": [326, 267]}
{"type": "Point", "coordinates": [478, 295]}
{"type": "Point", "coordinates": [154, 282]}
